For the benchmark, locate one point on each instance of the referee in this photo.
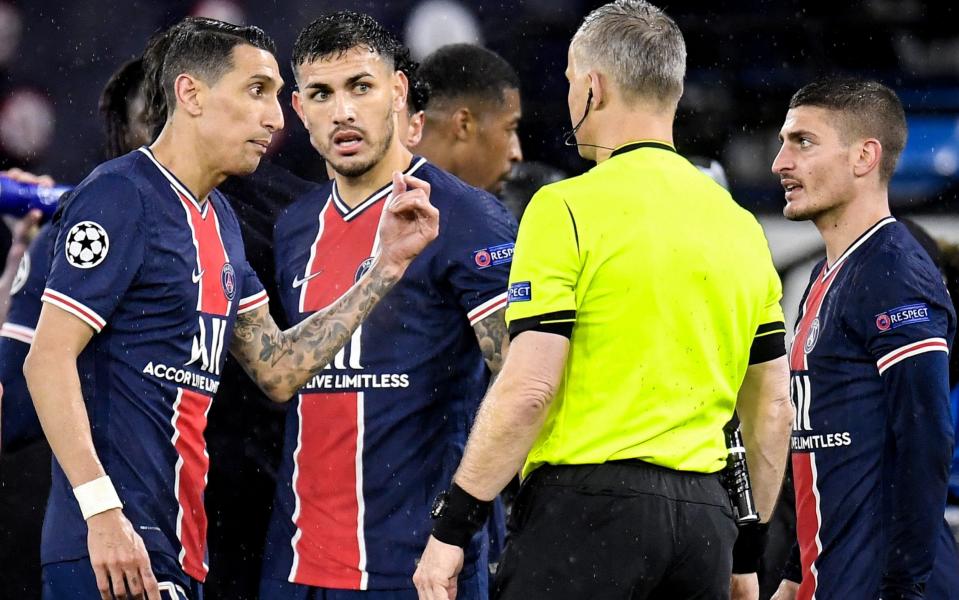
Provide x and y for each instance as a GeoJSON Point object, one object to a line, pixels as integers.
{"type": "Point", "coordinates": [644, 309]}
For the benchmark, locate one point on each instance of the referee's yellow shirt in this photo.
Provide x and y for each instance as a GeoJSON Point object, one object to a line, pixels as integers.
{"type": "Point", "coordinates": [667, 291]}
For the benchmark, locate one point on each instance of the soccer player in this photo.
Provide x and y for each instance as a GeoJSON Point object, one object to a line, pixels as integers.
{"type": "Point", "coordinates": [473, 115]}
{"type": "Point", "coordinates": [148, 288]}
{"type": "Point", "coordinates": [872, 436]}
{"type": "Point", "coordinates": [371, 439]}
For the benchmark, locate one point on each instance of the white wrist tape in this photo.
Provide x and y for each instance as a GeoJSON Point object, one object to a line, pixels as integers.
{"type": "Point", "coordinates": [97, 496]}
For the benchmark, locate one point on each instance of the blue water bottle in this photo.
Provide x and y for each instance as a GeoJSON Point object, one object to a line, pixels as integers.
{"type": "Point", "coordinates": [18, 198]}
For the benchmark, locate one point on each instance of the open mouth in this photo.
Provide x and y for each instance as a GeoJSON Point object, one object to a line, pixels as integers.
{"type": "Point", "coordinates": [791, 186]}
{"type": "Point", "coordinates": [347, 142]}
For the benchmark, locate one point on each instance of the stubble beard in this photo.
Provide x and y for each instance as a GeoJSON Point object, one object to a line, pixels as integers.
{"type": "Point", "coordinates": [359, 169]}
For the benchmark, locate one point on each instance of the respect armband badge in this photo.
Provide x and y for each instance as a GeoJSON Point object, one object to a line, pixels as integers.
{"type": "Point", "coordinates": [493, 255]}
{"type": "Point", "coordinates": [521, 291]}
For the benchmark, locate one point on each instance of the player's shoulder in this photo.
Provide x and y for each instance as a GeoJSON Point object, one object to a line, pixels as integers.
{"type": "Point", "coordinates": [461, 201]}
{"type": "Point", "coordinates": [115, 186]}
{"type": "Point", "coordinates": [304, 209]}
{"type": "Point", "coordinates": [897, 257]}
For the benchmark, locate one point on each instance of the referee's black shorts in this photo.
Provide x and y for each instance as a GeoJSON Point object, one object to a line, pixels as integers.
{"type": "Point", "coordinates": [623, 529]}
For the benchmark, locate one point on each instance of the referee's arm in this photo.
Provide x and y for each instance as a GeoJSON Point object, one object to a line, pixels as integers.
{"type": "Point", "coordinates": [506, 426]}
{"type": "Point", "coordinates": [766, 414]}
{"type": "Point", "coordinates": [512, 413]}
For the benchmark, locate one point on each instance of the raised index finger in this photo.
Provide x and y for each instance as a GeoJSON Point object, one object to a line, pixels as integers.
{"type": "Point", "coordinates": [415, 183]}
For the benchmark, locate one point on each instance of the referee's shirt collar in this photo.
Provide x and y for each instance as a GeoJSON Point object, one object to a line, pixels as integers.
{"type": "Point", "coordinates": [629, 147]}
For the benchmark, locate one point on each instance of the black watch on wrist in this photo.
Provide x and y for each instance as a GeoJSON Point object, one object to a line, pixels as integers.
{"type": "Point", "coordinates": [440, 504]}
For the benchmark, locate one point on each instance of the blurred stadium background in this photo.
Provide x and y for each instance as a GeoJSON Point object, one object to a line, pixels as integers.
{"type": "Point", "coordinates": [745, 60]}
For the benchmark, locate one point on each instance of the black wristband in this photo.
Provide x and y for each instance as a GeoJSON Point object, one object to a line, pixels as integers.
{"type": "Point", "coordinates": [457, 516]}
{"type": "Point", "coordinates": [749, 547]}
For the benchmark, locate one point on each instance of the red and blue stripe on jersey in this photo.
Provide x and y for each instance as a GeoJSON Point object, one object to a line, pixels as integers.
{"type": "Point", "coordinates": [329, 546]}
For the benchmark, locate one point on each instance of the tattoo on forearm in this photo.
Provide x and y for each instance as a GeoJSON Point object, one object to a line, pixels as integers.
{"type": "Point", "coordinates": [493, 338]}
{"type": "Point", "coordinates": [283, 361]}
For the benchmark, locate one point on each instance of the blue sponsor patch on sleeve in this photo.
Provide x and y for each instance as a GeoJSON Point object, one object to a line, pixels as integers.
{"type": "Point", "coordinates": [902, 315]}
{"type": "Point", "coordinates": [494, 255]}
{"type": "Point", "coordinates": [521, 291]}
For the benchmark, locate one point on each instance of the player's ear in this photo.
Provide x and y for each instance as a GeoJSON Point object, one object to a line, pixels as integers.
{"type": "Point", "coordinates": [868, 158]}
{"type": "Point", "coordinates": [401, 89]}
{"type": "Point", "coordinates": [417, 120]}
{"type": "Point", "coordinates": [297, 101]}
{"type": "Point", "coordinates": [188, 94]}
{"type": "Point", "coordinates": [464, 123]}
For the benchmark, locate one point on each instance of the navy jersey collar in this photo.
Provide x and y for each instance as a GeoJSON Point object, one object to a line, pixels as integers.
{"type": "Point", "coordinates": [349, 214]}
{"type": "Point", "coordinates": [827, 269]}
{"type": "Point", "coordinates": [176, 184]}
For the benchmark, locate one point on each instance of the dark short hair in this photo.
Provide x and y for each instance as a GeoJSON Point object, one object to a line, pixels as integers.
{"type": "Point", "coordinates": [337, 33]}
{"type": "Point", "coordinates": [467, 71]}
{"type": "Point", "coordinates": [197, 45]}
{"type": "Point", "coordinates": [866, 109]}
{"type": "Point", "coordinates": [115, 99]}
{"type": "Point", "coordinates": [419, 93]}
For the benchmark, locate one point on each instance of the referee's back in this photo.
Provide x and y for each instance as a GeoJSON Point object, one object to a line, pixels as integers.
{"type": "Point", "coordinates": [668, 287]}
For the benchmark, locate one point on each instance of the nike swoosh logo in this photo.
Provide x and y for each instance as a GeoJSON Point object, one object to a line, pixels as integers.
{"type": "Point", "coordinates": [297, 282]}
{"type": "Point", "coordinates": [198, 276]}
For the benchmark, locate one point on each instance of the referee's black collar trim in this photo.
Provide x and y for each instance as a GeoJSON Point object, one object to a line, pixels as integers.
{"type": "Point", "coordinates": [637, 145]}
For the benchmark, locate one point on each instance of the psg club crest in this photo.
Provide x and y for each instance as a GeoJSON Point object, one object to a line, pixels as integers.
{"type": "Point", "coordinates": [87, 245]}
{"type": "Point", "coordinates": [228, 279]}
{"type": "Point", "coordinates": [812, 337]}
{"type": "Point", "coordinates": [363, 268]}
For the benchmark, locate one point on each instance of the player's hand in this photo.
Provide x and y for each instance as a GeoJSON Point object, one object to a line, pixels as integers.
{"type": "Point", "coordinates": [787, 590]}
{"type": "Point", "coordinates": [436, 573]}
{"type": "Point", "coordinates": [119, 558]}
{"type": "Point", "coordinates": [409, 222]}
{"type": "Point", "coordinates": [27, 177]}
{"type": "Point", "coordinates": [744, 586]}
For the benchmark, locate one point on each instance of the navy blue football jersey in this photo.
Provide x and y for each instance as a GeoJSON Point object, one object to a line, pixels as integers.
{"type": "Point", "coordinates": [18, 419]}
{"type": "Point", "coordinates": [374, 437]}
{"type": "Point", "coordinates": [160, 278]}
{"type": "Point", "coordinates": [872, 435]}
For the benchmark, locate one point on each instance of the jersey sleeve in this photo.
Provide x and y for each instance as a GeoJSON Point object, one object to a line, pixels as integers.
{"type": "Point", "coordinates": [99, 250]}
{"type": "Point", "coordinates": [902, 310]}
{"type": "Point", "coordinates": [253, 293]}
{"type": "Point", "coordinates": [479, 254]}
{"type": "Point", "coordinates": [546, 266]}
{"type": "Point", "coordinates": [770, 340]}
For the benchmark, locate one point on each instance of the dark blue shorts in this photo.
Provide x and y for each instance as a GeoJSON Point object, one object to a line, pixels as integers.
{"type": "Point", "coordinates": [474, 587]}
{"type": "Point", "coordinates": [75, 580]}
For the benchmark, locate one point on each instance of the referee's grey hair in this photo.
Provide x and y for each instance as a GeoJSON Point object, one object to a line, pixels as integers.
{"type": "Point", "coordinates": [638, 46]}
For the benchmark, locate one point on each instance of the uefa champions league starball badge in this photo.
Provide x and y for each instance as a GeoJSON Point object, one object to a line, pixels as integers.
{"type": "Point", "coordinates": [87, 245]}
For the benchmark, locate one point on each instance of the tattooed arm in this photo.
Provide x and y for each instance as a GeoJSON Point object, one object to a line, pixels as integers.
{"type": "Point", "coordinates": [493, 338]}
{"type": "Point", "coordinates": [281, 362]}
